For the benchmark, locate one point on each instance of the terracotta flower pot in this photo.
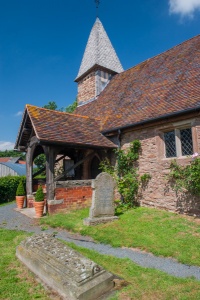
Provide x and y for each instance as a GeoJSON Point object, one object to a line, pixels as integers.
{"type": "Point", "coordinates": [39, 208]}
{"type": "Point", "coordinates": [20, 201]}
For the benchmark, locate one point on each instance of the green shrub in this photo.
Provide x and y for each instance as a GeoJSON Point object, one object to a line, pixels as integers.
{"type": "Point", "coordinates": [39, 196]}
{"type": "Point", "coordinates": [126, 174]}
{"type": "Point", "coordinates": [8, 187]}
{"type": "Point", "coordinates": [20, 189]}
{"type": "Point", "coordinates": [186, 177]}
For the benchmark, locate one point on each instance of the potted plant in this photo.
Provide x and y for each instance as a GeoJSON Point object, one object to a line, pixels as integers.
{"type": "Point", "coordinates": [39, 202]}
{"type": "Point", "coordinates": [20, 195]}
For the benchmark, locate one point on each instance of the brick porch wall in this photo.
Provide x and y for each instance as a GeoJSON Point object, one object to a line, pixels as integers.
{"type": "Point", "coordinates": [158, 192]}
{"type": "Point", "coordinates": [71, 195]}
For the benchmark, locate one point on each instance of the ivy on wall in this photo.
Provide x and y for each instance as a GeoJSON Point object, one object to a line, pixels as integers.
{"type": "Point", "coordinates": [186, 177]}
{"type": "Point", "coordinates": [126, 174]}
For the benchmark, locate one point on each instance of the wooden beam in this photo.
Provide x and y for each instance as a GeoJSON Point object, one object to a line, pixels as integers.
{"type": "Point", "coordinates": [43, 169]}
{"type": "Point", "coordinates": [21, 128]}
{"type": "Point", "coordinates": [27, 130]}
{"type": "Point", "coordinates": [74, 166]}
{"type": "Point", "coordinates": [50, 162]}
{"type": "Point", "coordinates": [39, 172]}
{"type": "Point", "coordinates": [21, 148]}
{"type": "Point", "coordinates": [29, 171]}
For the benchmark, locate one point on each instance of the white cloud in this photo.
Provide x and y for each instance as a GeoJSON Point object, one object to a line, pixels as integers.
{"type": "Point", "coordinates": [19, 113]}
{"type": "Point", "coordinates": [184, 7]}
{"type": "Point", "coordinates": [6, 146]}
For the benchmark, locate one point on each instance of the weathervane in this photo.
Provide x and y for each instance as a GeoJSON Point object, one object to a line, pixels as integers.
{"type": "Point", "coordinates": [97, 6]}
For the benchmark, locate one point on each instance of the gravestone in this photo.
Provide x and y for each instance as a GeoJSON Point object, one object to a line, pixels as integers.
{"type": "Point", "coordinates": [63, 269]}
{"type": "Point", "coordinates": [102, 209]}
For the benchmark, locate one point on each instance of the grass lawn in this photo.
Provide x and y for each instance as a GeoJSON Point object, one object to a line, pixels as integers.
{"type": "Point", "coordinates": [16, 283]}
{"type": "Point", "coordinates": [144, 283]}
{"type": "Point", "coordinates": [159, 232]}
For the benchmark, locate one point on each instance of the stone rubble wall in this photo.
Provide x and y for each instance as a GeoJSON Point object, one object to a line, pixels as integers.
{"type": "Point", "coordinates": [158, 192]}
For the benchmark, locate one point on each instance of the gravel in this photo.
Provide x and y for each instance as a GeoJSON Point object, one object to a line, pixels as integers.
{"type": "Point", "coordinates": [11, 219]}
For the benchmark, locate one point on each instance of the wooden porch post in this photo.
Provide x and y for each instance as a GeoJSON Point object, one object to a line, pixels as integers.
{"type": "Point", "coordinates": [50, 161]}
{"type": "Point", "coordinates": [29, 171]}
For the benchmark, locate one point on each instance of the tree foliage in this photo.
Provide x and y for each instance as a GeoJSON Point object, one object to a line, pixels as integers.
{"type": "Point", "coordinates": [12, 153]}
{"type": "Point", "coordinates": [40, 161]}
{"type": "Point", "coordinates": [69, 109]}
{"type": "Point", "coordinates": [51, 105]}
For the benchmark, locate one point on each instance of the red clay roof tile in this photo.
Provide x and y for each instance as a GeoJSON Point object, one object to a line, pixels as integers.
{"type": "Point", "coordinates": [165, 84]}
{"type": "Point", "coordinates": [60, 127]}
{"type": "Point", "coordinates": [4, 159]}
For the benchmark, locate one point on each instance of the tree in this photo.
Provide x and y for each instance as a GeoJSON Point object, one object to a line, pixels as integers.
{"type": "Point", "coordinates": [12, 153]}
{"type": "Point", "coordinates": [40, 161]}
{"type": "Point", "coordinates": [51, 105]}
{"type": "Point", "coordinates": [71, 108]}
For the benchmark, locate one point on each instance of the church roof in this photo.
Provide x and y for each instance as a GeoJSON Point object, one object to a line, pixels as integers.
{"type": "Point", "coordinates": [57, 127]}
{"type": "Point", "coordinates": [99, 51]}
{"type": "Point", "coordinates": [161, 86]}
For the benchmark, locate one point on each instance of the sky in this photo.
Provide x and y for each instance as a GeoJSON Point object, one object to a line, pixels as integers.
{"type": "Point", "coordinates": [42, 43]}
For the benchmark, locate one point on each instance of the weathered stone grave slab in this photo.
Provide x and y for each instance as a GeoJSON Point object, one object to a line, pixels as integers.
{"type": "Point", "coordinates": [66, 271]}
{"type": "Point", "coordinates": [102, 209]}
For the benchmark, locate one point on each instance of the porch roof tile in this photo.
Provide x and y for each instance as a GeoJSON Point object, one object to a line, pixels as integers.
{"type": "Point", "coordinates": [60, 127]}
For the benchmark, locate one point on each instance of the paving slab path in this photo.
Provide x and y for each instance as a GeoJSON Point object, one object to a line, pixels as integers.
{"type": "Point", "coordinates": [14, 220]}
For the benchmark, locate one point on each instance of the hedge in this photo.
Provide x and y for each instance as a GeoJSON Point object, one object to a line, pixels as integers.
{"type": "Point", "coordinates": [8, 187]}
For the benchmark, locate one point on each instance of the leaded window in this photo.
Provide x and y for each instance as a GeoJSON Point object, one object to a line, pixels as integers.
{"type": "Point", "coordinates": [170, 144]}
{"type": "Point", "coordinates": [178, 142]}
{"type": "Point", "coordinates": [186, 141]}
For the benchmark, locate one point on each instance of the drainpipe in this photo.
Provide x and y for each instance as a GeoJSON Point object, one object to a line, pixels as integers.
{"type": "Point", "coordinates": [119, 139]}
{"type": "Point", "coordinates": [119, 147]}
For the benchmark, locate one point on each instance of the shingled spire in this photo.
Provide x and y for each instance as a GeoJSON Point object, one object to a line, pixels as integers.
{"type": "Point", "coordinates": [99, 64]}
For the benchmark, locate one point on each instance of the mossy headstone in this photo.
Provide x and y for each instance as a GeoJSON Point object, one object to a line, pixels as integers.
{"type": "Point", "coordinates": [102, 209]}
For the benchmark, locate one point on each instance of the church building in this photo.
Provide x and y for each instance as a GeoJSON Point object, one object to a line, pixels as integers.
{"type": "Point", "coordinates": [156, 102]}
